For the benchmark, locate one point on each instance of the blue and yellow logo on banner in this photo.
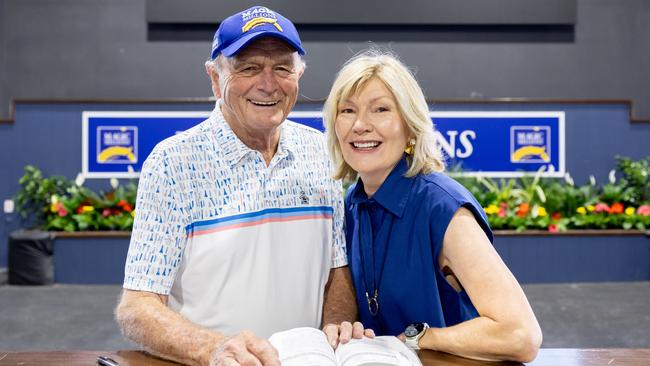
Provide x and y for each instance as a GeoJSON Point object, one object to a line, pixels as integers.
{"type": "Point", "coordinates": [117, 144]}
{"type": "Point", "coordinates": [530, 144]}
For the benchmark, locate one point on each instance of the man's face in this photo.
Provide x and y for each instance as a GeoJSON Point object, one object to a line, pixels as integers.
{"type": "Point", "coordinates": [260, 86]}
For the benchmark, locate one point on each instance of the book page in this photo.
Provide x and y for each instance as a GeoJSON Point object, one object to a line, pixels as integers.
{"type": "Point", "coordinates": [378, 351]}
{"type": "Point", "coordinates": [303, 347]}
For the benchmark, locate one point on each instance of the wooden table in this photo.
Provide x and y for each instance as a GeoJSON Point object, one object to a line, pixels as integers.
{"type": "Point", "coordinates": [546, 357]}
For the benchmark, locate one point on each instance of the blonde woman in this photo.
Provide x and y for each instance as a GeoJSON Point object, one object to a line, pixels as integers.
{"type": "Point", "coordinates": [419, 244]}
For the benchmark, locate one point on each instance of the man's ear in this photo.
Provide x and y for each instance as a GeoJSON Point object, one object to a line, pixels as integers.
{"type": "Point", "coordinates": [301, 71]}
{"type": "Point", "coordinates": [214, 80]}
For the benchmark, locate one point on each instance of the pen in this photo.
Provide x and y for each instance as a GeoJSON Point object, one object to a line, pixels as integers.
{"type": "Point", "coordinates": [106, 361]}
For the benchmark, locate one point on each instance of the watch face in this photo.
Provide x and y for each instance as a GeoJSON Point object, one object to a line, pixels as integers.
{"type": "Point", "coordinates": [414, 329]}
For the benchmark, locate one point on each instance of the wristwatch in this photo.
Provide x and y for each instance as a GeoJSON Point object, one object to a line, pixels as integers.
{"type": "Point", "coordinates": [413, 333]}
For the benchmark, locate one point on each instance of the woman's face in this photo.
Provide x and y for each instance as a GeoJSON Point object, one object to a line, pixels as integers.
{"type": "Point", "coordinates": [371, 132]}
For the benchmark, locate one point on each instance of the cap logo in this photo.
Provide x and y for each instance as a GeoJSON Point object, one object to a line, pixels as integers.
{"type": "Point", "coordinates": [259, 21]}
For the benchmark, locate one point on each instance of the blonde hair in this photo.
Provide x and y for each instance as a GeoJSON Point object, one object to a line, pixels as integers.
{"type": "Point", "coordinates": [355, 74]}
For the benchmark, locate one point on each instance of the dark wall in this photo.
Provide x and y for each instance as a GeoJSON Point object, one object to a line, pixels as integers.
{"type": "Point", "coordinates": [4, 100]}
{"type": "Point", "coordinates": [100, 49]}
{"type": "Point", "coordinates": [375, 12]}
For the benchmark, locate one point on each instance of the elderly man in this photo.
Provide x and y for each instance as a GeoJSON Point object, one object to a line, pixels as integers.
{"type": "Point", "coordinates": [238, 226]}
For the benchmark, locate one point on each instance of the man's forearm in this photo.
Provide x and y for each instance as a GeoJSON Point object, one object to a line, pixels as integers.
{"type": "Point", "coordinates": [146, 320]}
{"type": "Point", "coordinates": [340, 303]}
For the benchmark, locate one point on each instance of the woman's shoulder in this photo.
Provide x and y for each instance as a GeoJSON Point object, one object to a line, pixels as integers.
{"type": "Point", "coordinates": [443, 186]}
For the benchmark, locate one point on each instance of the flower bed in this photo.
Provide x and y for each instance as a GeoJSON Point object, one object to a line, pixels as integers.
{"type": "Point", "coordinates": [528, 203]}
{"type": "Point", "coordinates": [57, 204]}
{"type": "Point", "coordinates": [531, 203]}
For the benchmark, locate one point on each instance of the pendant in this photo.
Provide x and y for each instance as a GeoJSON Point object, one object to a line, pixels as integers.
{"type": "Point", "coordinates": [373, 304]}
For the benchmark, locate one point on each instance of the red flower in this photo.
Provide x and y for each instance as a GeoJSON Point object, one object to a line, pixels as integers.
{"type": "Point", "coordinates": [523, 209]}
{"type": "Point", "coordinates": [79, 209]}
{"type": "Point", "coordinates": [556, 216]}
{"type": "Point", "coordinates": [617, 208]}
{"type": "Point", "coordinates": [62, 211]}
{"type": "Point", "coordinates": [127, 208]}
{"type": "Point", "coordinates": [106, 212]}
{"type": "Point", "coordinates": [601, 207]}
{"type": "Point", "coordinates": [552, 228]}
{"type": "Point", "coordinates": [122, 203]}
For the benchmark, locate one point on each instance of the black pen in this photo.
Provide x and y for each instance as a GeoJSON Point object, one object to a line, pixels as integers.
{"type": "Point", "coordinates": [105, 361]}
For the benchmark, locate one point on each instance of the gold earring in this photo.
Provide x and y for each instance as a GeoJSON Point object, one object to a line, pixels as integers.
{"type": "Point", "coordinates": [409, 148]}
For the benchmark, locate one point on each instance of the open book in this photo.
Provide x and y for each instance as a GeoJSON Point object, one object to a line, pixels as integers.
{"type": "Point", "coordinates": [309, 347]}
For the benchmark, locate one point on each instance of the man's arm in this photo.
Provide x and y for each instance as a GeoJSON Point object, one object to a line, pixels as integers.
{"type": "Point", "coordinates": [145, 318]}
{"type": "Point", "coordinates": [340, 304]}
{"type": "Point", "coordinates": [340, 309]}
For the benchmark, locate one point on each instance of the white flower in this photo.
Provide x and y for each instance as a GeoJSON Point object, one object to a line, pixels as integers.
{"type": "Point", "coordinates": [612, 176]}
{"type": "Point", "coordinates": [115, 183]}
{"type": "Point", "coordinates": [79, 181]}
{"type": "Point", "coordinates": [568, 179]}
{"type": "Point", "coordinates": [592, 180]}
{"type": "Point", "coordinates": [540, 193]}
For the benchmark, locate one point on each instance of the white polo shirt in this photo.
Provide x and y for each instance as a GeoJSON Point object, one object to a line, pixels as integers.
{"type": "Point", "coordinates": [237, 244]}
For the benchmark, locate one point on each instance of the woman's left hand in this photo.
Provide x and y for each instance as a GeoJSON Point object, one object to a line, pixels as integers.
{"type": "Point", "coordinates": [342, 333]}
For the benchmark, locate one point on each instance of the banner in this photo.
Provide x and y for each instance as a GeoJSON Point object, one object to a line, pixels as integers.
{"type": "Point", "coordinates": [492, 144]}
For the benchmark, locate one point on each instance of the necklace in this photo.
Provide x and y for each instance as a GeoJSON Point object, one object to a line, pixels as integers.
{"type": "Point", "coordinates": [371, 274]}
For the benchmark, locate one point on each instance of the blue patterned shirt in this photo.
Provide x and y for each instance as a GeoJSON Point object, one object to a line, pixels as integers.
{"type": "Point", "coordinates": [237, 244]}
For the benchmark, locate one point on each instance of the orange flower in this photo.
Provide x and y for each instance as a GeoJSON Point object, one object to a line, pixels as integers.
{"type": "Point", "coordinates": [617, 208]}
{"type": "Point", "coordinates": [523, 209]}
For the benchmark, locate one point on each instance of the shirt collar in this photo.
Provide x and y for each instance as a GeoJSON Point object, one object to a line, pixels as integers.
{"type": "Point", "coordinates": [234, 149]}
{"type": "Point", "coordinates": [393, 193]}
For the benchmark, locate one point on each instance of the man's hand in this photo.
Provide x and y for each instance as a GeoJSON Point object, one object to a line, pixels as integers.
{"type": "Point", "coordinates": [247, 350]}
{"type": "Point", "coordinates": [344, 332]}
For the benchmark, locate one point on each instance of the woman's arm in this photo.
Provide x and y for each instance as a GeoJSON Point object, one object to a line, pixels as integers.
{"type": "Point", "coordinates": [506, 328]}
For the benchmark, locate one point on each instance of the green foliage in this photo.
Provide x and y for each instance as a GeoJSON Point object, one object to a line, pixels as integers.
{"type": "Point", "coordinates": [57, 204]}
{"type": "Point", "coordinates": [557, 204]}
{"type": "Point", "coordinates": [636, 176]}
{"type": "Point", "coordinates": [32, 201]}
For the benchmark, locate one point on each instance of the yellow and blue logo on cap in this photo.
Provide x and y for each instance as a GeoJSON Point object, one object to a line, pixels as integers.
{"type": "Point", "coordinates": [117, 144]}
{"type": "Point", "coordinates": [530, 144]}
{"type": "Point", "coordinates": [236, 31]}
{"type": "Point", "coordinates": [259, 21]}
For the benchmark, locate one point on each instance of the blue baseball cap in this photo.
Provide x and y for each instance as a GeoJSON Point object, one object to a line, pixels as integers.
{"type": "Point", "coordinates": [238, 30]}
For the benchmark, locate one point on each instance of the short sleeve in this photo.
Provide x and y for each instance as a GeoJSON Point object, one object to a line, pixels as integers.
{"type": "Point", "coordinates": [450, 196]}
{"type": "Point", "coordinates": [158, 236]}
{"type": "Point", "coordinates": [339, 252]}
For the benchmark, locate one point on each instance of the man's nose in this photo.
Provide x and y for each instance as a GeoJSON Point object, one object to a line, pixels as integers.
{"type": "Point", "coordinates": [267, 82]}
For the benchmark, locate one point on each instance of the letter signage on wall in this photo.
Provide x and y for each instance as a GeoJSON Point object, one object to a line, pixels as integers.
{"type": "Point", "coordinates": [495, 144]}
